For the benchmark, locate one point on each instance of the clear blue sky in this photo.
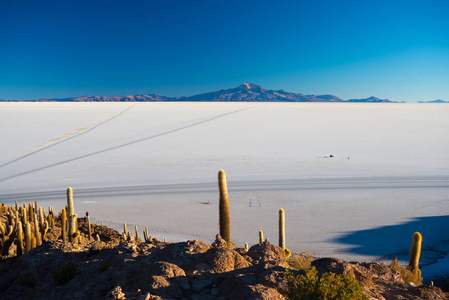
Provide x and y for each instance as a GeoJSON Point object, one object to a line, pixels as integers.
{"type": "Point", "coordinates": [353, 49]}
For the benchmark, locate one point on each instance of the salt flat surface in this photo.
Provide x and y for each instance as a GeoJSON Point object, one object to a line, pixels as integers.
{"type": "Point", "coordinates": [156, 165]}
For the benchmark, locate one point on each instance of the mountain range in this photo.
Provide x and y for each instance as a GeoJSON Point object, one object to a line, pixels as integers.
{"type": "Point", "coordinates": [246, 92]}
{"type": "Point", "coordinates": [434, 101]}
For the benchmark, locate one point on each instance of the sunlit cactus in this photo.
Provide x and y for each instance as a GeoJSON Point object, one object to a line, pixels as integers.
{"type": "Point", "coordinates": [415, 252]}
{"type": "Point", "coordinates": [224, 212]}
{"type": "Point", "coordinates": [20, 249]}
{"type": "Point", "coordinates": [64, 225]}
{"type": "Point", "coordinates": [282, 228]}
{"type": "Point", "coordinates": [28, 237]}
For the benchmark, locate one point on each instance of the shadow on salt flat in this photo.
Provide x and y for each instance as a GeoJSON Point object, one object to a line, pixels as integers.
{"type": "Point", "coordinates": [392, 241]}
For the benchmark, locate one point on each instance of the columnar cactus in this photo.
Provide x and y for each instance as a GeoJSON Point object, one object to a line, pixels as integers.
{"type": "Point", "coordinates": [225, 216]}
{"type": "Point", "coordinates": [9, 239]}
{"type": "Point", "coordinates": [27, 237]}
{"type": "Point", "coordinates": [64, 225]}
{"type": "Point", "coordinates": [31, 212]}
{"type": "Point", "coordinates": [24, 215]}
{"type": "Point", "coordinates": [88, 228]}
{"type": "Point", "coordinates": [282, 228]}
{"type": "Point", "coordinates": [415, 252]}
{"type": "Point", "coordinates": [73, 237]}
{"type": "Point", "coordinates": [260, 237]}
{"type": "Point", "coordinates": [125, 229]}
{"type": "Point", "coordinates": [37, 232]}
{"type": "Point", "coordinates": [71, 215]}
{"type": "Point", "coordinates": [137, 234]}
{"type": "Point", "coordinates": [20, 249]}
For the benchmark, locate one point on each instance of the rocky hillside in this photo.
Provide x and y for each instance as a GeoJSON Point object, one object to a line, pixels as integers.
{"type": "Point", "coordinates": [111, 268]}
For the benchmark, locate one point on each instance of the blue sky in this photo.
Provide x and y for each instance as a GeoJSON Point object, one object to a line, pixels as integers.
{"type": "Point", "coordinates": [352, 49]}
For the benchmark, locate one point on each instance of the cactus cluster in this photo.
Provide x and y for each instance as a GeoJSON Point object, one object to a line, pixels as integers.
{"type": "Point", "coordinates": [27, 227]}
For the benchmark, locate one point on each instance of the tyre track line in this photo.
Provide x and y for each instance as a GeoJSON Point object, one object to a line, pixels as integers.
{"type": "Point", "coordinates": [123, 145]}
{"type": "Point", "coordinates": [70, 136]}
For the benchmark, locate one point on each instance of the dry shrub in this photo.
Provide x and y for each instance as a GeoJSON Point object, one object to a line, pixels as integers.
{"type": "Point", "coordinates": [406, 274]}
{"type": "Point", "coordinates": [303, 260]}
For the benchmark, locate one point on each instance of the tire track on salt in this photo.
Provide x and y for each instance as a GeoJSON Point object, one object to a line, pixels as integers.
{"type": "Point", "coordinates": [66, 139]}
{"type": "Point", "coordinates": [123, 145]}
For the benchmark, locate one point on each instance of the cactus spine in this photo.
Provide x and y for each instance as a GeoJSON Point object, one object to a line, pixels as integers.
{"type": "Point", "coordinates": [415, 252]}
{"type": "Point", "coordinates": [225, 216]}
{"type": "Point", "coordinates": [282, 228]}
{"type": "Point", "coordinates": [260, 237]}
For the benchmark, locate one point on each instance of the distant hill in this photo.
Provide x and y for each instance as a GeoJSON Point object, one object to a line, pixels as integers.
{"type": "Point", "coordinates": [247, 92]}
{"type": "Point", "coordinates": [434, 101]}
{"type": "Point", "coordinates": [370, 99]}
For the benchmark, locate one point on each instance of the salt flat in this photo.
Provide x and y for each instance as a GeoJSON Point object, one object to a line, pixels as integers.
{"type": "Point", "coordinates": [156, 165]}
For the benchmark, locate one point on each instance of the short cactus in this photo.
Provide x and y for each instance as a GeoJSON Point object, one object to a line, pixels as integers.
{"type": "Point", "coordinates": [125, 229]}
{"type": "Point", "coordinates": [282, 228]}
{"type": "Point", "coordinates": [9, 239]}
{"type": "Point", "coordinates": [260, 237]}
{"type": "Point", "coordinates": [137, 234]}
{"type": "Point", "coordinates": [224, 212]}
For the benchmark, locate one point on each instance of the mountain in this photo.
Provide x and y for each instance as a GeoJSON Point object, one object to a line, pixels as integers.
{"type": "Point", "coordinates": [246, 92]}
{"type": "Point", "coordinates": [249, 92]}
{"type": "Point", "coordinates": [434, 101]}
{"type": "Point", "coordinates": [370, 99]}
{"type": "Point", "coordinates": [136, 98]}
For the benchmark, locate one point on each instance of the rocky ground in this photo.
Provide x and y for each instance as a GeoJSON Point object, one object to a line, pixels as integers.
{"type": "Point", "coordinates": [113, 269]}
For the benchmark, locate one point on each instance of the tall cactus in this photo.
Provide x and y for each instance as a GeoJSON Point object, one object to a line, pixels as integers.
{"type": "Point", "coordinates": [27, 237]}
{"type": "Point", "coordinates": [88, 228]}
{"type": "Point", "coordinates": [415, 252]}
{"type": "Point", "coordinates": [20, 249]}
{"type": "Point", "coordinates": [260, 237]}
{"type": "Point", "coordinates": [73, 236]}
{"type": "Point", "coordinates": [225, 216]}
{"type": "Point", "coordinates": [37, 232]}
{"type": "Point", "coordinates": [282, 228]}
{"type": "Point", "coordinates": [71, 215]}
{"type": "Point", "coordinates": [64, 225]}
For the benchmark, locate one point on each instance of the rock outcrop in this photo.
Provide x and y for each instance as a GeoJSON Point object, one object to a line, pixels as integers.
{"type": "Point", "coordinates": [109, 269]}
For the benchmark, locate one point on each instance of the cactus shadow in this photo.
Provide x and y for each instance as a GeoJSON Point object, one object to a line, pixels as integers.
{"type": "Point", "coordinates": [392, 241]}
